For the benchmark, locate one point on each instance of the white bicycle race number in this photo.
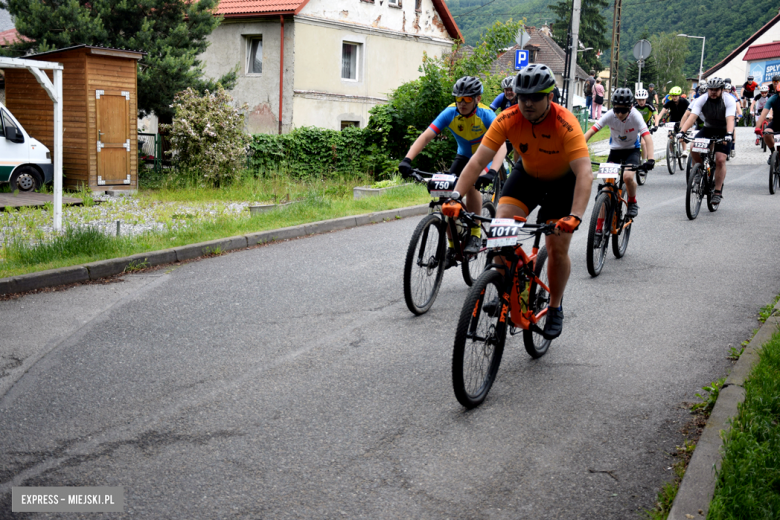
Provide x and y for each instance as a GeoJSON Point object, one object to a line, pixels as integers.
{"type": "Point", "coordinates": [701, 145]}
{"type": "Point", "coordinates": [503, 232]}
{"type": "Point", "coordinates": [670, 126]}
{"type": "Point", "coordinates": [441, 185]}
{"type": "Point", "coordinates": [777, 138]}
{"type": "Point", "coordinates": [608, 171]}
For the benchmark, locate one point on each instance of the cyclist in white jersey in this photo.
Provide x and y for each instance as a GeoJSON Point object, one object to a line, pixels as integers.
{"type": "Point", "coordinates": [718, 111]}
{"type": "Point", "coordinates": [627, 129]}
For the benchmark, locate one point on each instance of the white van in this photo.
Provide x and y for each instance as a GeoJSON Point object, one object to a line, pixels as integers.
{"type": "Point", "coordinates": [24, 161]}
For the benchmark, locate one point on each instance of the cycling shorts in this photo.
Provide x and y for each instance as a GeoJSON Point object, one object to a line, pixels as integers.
{"type": "Point", "coordinates": [625, 156]}
{"type": "Point", "coordinates": [712, 133]}
{"type": "Point", "coordinates": [527, 192]}
{"type": "Point", "coordinates": [771, 127]}
{"type": "Point", "coordinates": [458, 164]}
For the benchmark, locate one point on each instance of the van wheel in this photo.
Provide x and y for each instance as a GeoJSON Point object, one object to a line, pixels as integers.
{"type": "Point", "coordinates": [26, 179]}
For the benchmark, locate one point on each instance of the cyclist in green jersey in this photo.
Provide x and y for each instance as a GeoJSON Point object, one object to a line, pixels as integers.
{"type": "Point", "coordinates": [648, 112]}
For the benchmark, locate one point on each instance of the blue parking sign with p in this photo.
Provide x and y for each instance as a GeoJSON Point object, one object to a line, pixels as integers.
{"type": "Point", "coordinates": [521, 59]}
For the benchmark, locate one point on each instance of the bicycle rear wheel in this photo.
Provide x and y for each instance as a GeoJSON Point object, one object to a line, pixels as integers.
{"type": "Point", "coordinates": [479, 342]}
{"type": "Point", "coordinates": [694, 192]}
{"type": "Point", "coordinates": [598, 238]}
{"type": "Point", "coordinates": [671, 160]}
{"type": "Point", "coordinates": [424, 267]}
{"type": "Point", "coordinates": [620, 241]}
{"type": "Point", "coordinates": [538, 299]}
{"type": "Point", "coordinates": [774, 178]}
{"type": "Point", "coordinates": [473, 265]}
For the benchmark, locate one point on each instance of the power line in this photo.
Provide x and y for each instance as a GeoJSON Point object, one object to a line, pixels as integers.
{"type": "Point", "coordinates": [476, 9]}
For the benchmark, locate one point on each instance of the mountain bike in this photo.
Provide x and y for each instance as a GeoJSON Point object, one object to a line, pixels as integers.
{"type": "Point", "coordinates": [513, 299]}
{"type": "Point", "coordinates": [426, 257]}
{"type": "Point", "coordinates": [702, 180]}
{"type": "Point", "coordinates": [774, 168]}
{"type": "Point", "coordinates": [608, 217]}
{"type": "Point", "coordinates": [673, 150]}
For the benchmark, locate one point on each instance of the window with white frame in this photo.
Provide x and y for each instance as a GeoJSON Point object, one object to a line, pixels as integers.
{"type": "Point", "coordinates": [254, 55]}
{"type": "Point", "coordinates": [395, 3]}
{"type": "Point", "coordinates": [350, 59]}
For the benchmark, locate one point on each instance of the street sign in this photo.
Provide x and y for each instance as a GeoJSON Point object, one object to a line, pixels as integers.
{"type": "Point", "coordinates": [522, 38]}
{"type": "Point", "coordinates": [521, 59]}
{"type": "Point", "coordinates": [642, 50]}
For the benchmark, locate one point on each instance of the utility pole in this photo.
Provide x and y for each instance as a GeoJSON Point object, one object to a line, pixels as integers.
{"type": "Point", "coordinates": [574, 41]}
{"type": "Point", "coordinates": [614, 62]}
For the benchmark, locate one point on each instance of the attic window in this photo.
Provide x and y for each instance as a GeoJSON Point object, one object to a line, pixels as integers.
{"type": "Point", "coordinates": [395, 3]}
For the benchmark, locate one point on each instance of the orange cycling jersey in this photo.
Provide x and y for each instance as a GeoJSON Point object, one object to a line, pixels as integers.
{"type": "Point", "coordinates": [547, 148]}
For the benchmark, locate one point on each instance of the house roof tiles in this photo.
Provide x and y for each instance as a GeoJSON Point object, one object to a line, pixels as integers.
{"type": "Point", "coordinates": [9, 37]}
{"type": "Point", "coordinates": [762, 52]}
{"type": "Point", "coordinates": [262, 7]}
{"type": "Point", "coordinates": [548, 53]}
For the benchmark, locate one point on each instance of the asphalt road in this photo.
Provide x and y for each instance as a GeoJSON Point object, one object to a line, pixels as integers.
{"type": "Point", "coordinates": [290, 381]}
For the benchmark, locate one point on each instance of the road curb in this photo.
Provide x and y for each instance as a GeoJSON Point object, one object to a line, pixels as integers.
{"type": "Point", "coordinates": [114, 266]}
{"type": "Point", "coordinates": [698, 485]}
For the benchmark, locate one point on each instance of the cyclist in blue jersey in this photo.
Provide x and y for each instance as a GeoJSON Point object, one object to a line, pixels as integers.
{"type": "Point", "coordinates": [468, 120]}
{"type": "Point", "coordinates": [507, 98]}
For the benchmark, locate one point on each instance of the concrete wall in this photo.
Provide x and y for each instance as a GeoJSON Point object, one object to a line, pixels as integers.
{"type": "Point", "coordinates": [385, 61]}
{"type": "Point", "coordinates": [229, 48]}
{"type": "Point", "coordinates": [379, 14]}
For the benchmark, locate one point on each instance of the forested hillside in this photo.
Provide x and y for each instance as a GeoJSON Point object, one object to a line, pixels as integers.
{"type": "Point", "coordinates": [724, 23]}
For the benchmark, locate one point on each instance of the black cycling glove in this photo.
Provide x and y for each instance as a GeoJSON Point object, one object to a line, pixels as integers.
{"type": "Point", "coordinates": [649, 164]}
{"type": "Point", "coordinates": [485, 180]}
{"type": "Point", "coordinates": [405, 168]}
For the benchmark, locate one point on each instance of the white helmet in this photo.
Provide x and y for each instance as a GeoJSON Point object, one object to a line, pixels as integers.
{"type": "Point", "coordinates": [641, 94]}
{"type": "Point", "coordinates": [764, 88]}
{"type": "Point", "coordinates": [728, 87]}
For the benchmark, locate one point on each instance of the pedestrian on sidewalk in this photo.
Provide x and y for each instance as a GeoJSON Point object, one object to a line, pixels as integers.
{"type": "Point", "coordinates": [589, 93]}
{"type": "Point", "coordinates": [598, 99]}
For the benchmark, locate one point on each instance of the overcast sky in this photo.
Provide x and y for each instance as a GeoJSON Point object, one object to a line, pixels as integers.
{"type": "Point", "coordinates": [5, 21]}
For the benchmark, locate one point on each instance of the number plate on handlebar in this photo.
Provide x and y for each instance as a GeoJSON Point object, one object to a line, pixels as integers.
{"type": "Point", "coordinates": [608, 171]}
{"type": "Point", "coordinates": [700, 145]}
{"type": "Point", "coordinates": [670, 126]}
{"type": "Point", "coordinates": [442, 185]}
{"type": "Point", "coordinates": [503, 232]}
{"type": "Point", "coordinates": [777, 138]}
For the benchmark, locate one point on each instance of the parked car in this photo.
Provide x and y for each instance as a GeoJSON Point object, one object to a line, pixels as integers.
{"type": "Point", "coordinates": [25, 162]}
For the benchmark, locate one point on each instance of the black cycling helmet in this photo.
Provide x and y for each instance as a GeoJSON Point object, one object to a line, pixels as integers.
{"type": "Point", "coordinates": [750, 78]}
{"type": "Point", "coordinates": [467, 86]}
{"type": "Point", "coordinates": [727, 80]}
{"type": "Point", "coordinates": [715, 82]}
{"type": "Point", "coordinates": [651, 85]}
{"type": "Point", "coordinates": [623, 96]}
{"type": "Point", "coordinates": [507, 82]}
{"type": "Point", "coordinates": [533, 79]}
{"type": "Point", "coordinates": [776, 77]}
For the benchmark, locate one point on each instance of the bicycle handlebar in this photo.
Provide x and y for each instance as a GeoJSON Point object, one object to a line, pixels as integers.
{"type": "Point", "coordinates": [635, 167]}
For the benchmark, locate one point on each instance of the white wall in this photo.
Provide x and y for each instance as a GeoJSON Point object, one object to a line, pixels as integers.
{"type": "Point", "coordinates": [737, 69]}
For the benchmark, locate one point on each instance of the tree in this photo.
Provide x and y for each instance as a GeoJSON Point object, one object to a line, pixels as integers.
{"type": "Point", "coordinates": [670, 53]}
{"type": "Point", "coordinates": [593, 28]}
{"type": "Point", "coordinates": [172, 33]}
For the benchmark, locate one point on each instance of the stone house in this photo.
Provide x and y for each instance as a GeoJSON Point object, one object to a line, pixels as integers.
{"type": "Point", "coordinates": [339, 57]}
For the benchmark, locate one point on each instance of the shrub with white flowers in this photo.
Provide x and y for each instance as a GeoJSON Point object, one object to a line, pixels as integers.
{"type": "Point", "coordinates": [207, 136]}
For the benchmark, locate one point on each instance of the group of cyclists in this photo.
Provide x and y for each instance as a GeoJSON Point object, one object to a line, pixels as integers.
{"type": "Point", "coordinates": [552, 168]}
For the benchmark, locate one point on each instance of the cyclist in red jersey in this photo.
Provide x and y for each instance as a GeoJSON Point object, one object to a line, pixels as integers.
{"type": "Point", "coordinates": [748, 91]}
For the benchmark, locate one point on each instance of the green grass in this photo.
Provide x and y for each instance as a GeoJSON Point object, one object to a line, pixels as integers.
{"type": "Point", "coordinates": [748, 483]}
{"type": "Point", "coordinates": [78, 246]}
{"type": "Point", "coordinates": [600, 135]}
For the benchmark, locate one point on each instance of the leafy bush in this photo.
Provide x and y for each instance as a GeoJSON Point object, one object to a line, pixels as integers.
{"type": "Point", "coordinates": [207, 135]}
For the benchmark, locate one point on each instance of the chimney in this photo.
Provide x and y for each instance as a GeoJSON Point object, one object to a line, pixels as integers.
{"type": "Point", "coordinates": [545, 29]}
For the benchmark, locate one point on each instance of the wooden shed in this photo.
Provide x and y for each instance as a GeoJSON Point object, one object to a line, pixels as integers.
{"type": "Point", "coordinates": [100, 107]}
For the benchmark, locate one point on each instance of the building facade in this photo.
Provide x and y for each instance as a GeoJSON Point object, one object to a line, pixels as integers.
{"type": "Point", "coordinates": [323, 63]}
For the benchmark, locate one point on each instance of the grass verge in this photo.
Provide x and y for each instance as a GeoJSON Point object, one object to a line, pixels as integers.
{"type": "Point", "coordinates": [748, 484]}
{"type": "Point", "coordinates": [82, 245]}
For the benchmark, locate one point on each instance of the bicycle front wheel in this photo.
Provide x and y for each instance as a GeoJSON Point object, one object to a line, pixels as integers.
{"type": "Point", "coordinates": [774, 176]}
{"type": "Point", "coordinates": [598, 233]}
{"type": "Point", "coordinates": [694, 192]}
{"type": "Point", "coordinates": [641, 177]}
{"type": "Point", "coordinates": [538, 299]}
{"type": "Point", "coordinates": [688, 167]}
{"type": "Point", "coordinates": [424, 267]}
{"type": "Point", "coordinates": [671, 160]}
{"type": "Point", "coordinates": [678, 154]}
{"type": "Point", "coordinates": [709, 189]}
{"type": "Point", "coordinates": [620, 241]}
{"type": "Point", "coordinates": [473, 265]}
{"type": "Point", "coordinates": [479, 341]}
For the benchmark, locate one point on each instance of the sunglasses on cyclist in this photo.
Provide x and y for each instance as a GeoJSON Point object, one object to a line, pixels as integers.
{"type": "Point", "coordinates": [533, 98]}
{"type": "Point", "coordinates": [464, 99]}
{"type": "Point", "coordinates": [621, 110]}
